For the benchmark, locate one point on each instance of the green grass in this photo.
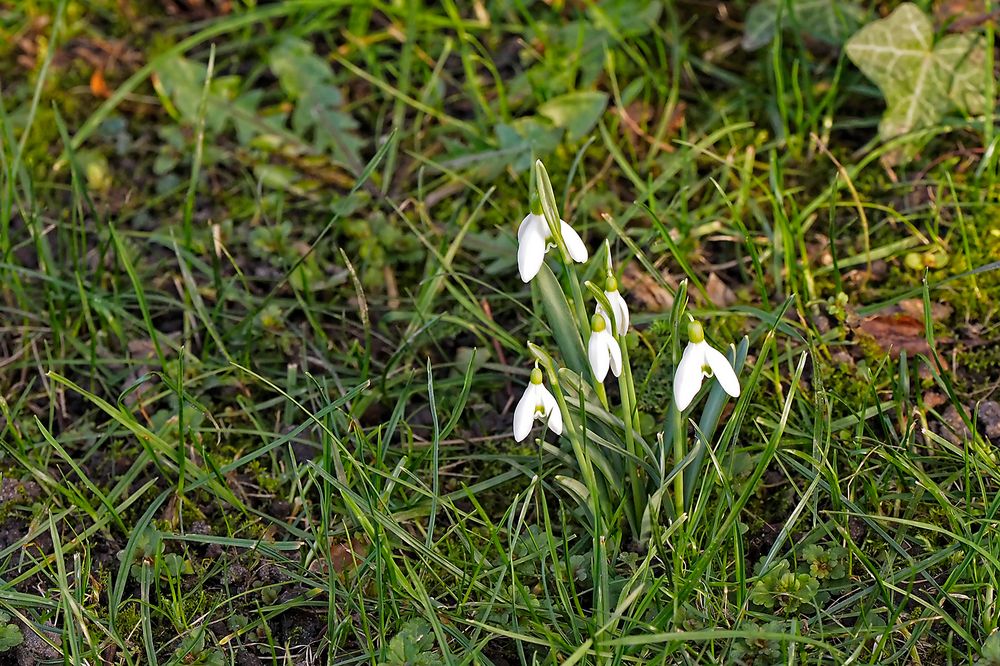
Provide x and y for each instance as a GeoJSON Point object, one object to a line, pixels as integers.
{"type": "Point", "coordinates": [262, 335]}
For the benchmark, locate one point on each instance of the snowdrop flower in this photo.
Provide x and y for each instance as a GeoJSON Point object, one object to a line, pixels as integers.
{"type": "Point", "coordinates": [700, 360]}
{"type": "Point", "coordinates": [603, 349]}
{"type": "Point", "coordinates": [533, 242]}
{"type": "Point", "coordinates": [618, 306]}
{"type": "Point", "coordinates": [536, 404]}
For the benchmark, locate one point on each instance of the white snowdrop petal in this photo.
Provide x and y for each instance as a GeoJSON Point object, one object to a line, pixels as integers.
{"type": "Point", "coordinates": [554, 416]}
{"type": "Point", "coordinates": [532, 222]}
{"type": "Point", "coordinates": [530, 254]}
{"type": "Point", "coordinates": [597, 352]}
{"type": "Point", "coordinates": [524, 414]}
{"type": "Point", "coordinates": [688, 375]}
{"type": "Point", "coordinates": [574, 244]}
{"type": "Point", "coordinates": [620, 307]}
{"type": "Point", "coordinates": [723, 371]}
{"type": "Point", "coordinates": [616, 356]}
{"type": "Point", "coordinates": [555, 421]}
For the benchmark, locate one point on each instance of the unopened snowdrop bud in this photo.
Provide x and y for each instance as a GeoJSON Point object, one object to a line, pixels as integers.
{"type": "Point", "coordinates": [537, 404]}
{"type": "Point", "coordinates": [619, 309]}
{"type": "Point", "coordinates": [603, 350]}
{"type": "Point", "coordinates": [701, 360]}
{"type": "Point", "coordinates": [533, 242]}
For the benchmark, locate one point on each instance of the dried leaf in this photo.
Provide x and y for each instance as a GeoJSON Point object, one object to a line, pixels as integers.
{"type": "Point", "coordinates": [914, 307]}
{"type": "Point", "coordinates": [894, 333]}
{"type": "Point", "coordinates": [346, 555]}
{"type": "Point", "coordinates": [719, 292]}
{"type": "Point", "coordinates": [645, 290]}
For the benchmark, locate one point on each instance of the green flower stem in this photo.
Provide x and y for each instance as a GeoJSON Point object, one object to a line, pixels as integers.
{"type": "Point", "coordinates": [582, 459]}
{"type": "Point", "coordinates": [629, 384]}
{"type": "Point", "coordinates": [636, 477]}
{"type": "Point", "coordinates": [680, 444]}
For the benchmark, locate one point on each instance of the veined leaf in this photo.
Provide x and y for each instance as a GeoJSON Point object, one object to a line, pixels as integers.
{"type": "Point", "coordinates": [830, 21]}
{"type": "Point", "coordinates": [920, 80]}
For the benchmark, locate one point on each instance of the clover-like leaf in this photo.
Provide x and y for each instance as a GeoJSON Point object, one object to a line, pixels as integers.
{"type": "Point", "coordinates": [920, 80]}
{"type": "Point", "coordinates": [10, 636]}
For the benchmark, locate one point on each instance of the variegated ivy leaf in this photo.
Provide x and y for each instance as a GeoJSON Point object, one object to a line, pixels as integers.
{"type": "Point", "coordinates": [920, 80]}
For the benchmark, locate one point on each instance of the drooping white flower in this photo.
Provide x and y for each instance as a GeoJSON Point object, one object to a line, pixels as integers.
{"type": "Point", "coordinates": [619, 308]}
{"type": "Point", "coordinates": [533, 242]}
{"type": "Point", "coordinates": [701, 360]}
{"type": "Point", "coordinates": [603, 349]}
{"type": "Point", "coordinates": [536, 404]}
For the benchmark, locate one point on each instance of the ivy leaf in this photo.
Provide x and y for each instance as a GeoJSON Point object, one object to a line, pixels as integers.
{"type": "Point", "coordinates": [920, 80]}
{"type": "Point", "coordinates": [576, 112]}
{"type": "Point", "coordinates": [760, 25]}
{"type": "Point", "coordinates": [829, 21]}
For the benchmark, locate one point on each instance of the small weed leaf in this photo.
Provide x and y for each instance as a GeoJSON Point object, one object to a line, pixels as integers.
{"type": "Point", "coordinates": [525, 139]}
{"type": "Point", "coordinates": [192, 650]}
{"type": "Point", "coordinates": [413, 646]}
{"type": "Point", "coordinates": [754, 649]}
{"type": "Point", "coordinates": [577, 112]}
{"type": "Point", "coordinates": [991, 651]}
{"type": "Point", "coordinates": [920, 80]}
{"type": "Point", "coordinates": [10, 633]}
{"type": "Point", "coordinates": [181, 81]}
{"type": "Point", "coordinates": [825, 562]}
{"type": "Point", "coordinates": [784, 589]}
{"type": "Point", "coordinates": [318, 117]}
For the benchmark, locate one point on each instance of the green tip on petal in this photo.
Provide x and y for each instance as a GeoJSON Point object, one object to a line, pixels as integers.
{"type": "Point", "coordinates": [611, 284]}
{"type": "Point", "coordinates": [597, 323]}
{"type": "Point", "coordinates": [536, 204]}
{"type": "Point", "coordinates": [696, 333]}
{"type": "Point", "coordinates": [536, 376]}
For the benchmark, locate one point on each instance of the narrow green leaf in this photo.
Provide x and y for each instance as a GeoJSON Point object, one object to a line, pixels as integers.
{"type": "Point", "coordinates": [560, 319]}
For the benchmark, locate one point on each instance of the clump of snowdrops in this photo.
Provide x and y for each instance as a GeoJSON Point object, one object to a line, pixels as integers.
{"type": "Point", "coordinates": [618, 471]}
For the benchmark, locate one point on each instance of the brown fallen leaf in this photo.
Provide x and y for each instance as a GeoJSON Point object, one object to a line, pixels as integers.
{"type": "Point", "coordinates": [719, 292]}
{"type": "Point", "coordinates": [346, 555]}
{"type": "Point", "coordinates": [914, 307]}
{"type": "Point", "coordinates": [645, 290]}
{"type": "Point", "coordinates": [894, 333]}
{"type": "Point", "coordinates": [934, 399]}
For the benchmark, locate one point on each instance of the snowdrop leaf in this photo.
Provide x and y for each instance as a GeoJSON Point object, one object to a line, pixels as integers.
{"type": "Point", "coordinates": [920, 80]}
{"type": "Point", "coordinates": [576, 112]}
{"type": "Point", "coordinates": [560, 319]}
